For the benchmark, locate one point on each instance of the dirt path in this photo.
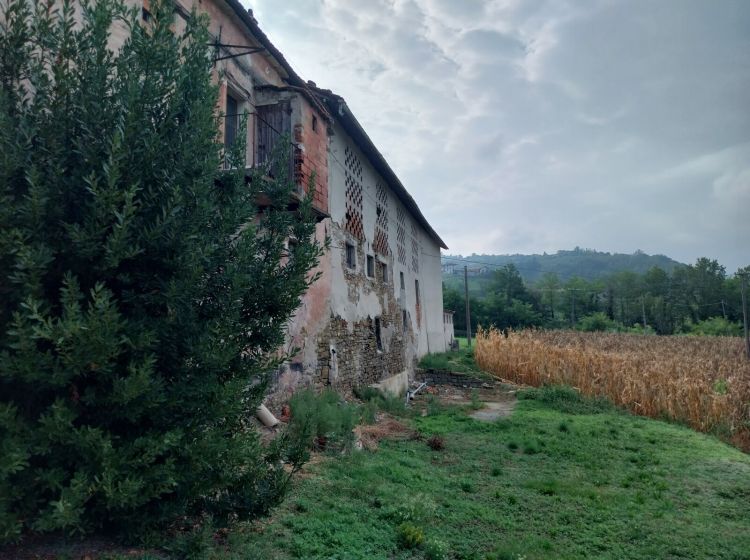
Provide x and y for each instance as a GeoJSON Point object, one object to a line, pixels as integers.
{"type": "Point", "coordinates": [494, 410]}
{"type": "Point", "coordinates": [498, 400]}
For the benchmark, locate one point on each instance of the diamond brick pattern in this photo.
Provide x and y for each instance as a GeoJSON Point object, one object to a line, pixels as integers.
{"type": "Point", "coordinates": [401, 235]}
{"type": "Point", "coordinates": [380, 245]}
{"type": "Point", "coordinates": [354, 195]}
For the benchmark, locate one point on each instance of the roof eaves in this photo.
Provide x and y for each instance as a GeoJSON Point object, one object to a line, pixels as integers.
{"type": "Point", "coordinates": [292, 78]}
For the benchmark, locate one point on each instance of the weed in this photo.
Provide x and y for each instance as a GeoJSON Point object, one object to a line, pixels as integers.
{"type": "Point", "coordinates": [415, 509]}
{"type": "Point", "coordinates": [467, 486]}
{"type": "Point", "coordinates": [546, 487]}
{"type": "Point", "coordinates": [531, 447]}
{"type": "Point", "coordinates": [496, 471]}
{"type": "Point", "coordinates": [435, 550]}
{"type": "Point", "coordinates": [369, 412]}
{"type": "Point", "coordinates": [436, 443]}
{"type": "Point", "coordinates": [366, 393]}
{"type": "Point", "coordinates": [476, 404]}
{"type": "Point", "coordinates": [435, 361]}
{"type": "Point", "coordinates": [434, 406]}
{"type": "Point", "coordinates": [409, 536]}
{"type": "Point", "coordinates": [512, 445]}
{"type": "Point", "coordinates": [566, 399]}
{"type": "Point", "coordinates": [376, 399]}
{"type": "Point", "coordinates": [321, 420]}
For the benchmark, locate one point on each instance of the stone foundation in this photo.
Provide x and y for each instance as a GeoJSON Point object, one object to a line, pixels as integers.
{"type": "Point", "coordinates": [444, 377]}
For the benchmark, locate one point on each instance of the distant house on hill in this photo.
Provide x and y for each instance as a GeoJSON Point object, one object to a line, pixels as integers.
{"type": "Point", "coordinates": [449, 268]}
{"type": "Point", "coordinates": [377, 306]}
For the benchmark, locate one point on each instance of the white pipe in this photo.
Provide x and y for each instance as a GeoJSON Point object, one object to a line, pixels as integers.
{"type": "Point", "coordinates": [410, 394]}
{"type": "Point", "coordinates": [265, 416]}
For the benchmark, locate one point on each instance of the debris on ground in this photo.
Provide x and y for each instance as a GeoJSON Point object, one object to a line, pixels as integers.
{"type": "Point", "coordinates": [385, 427]}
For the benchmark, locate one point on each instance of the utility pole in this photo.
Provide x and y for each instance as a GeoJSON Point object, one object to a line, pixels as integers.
{"type": "Point", "coordinates": [743, 285]}
{"type": "Point", "coordinates": [468, 307]}
{"type": "Point", "coordinates": [573, 306]}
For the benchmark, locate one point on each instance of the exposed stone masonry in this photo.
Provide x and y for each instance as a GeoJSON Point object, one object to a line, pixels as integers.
{"type": "Point", "coordinates": [348, 354]}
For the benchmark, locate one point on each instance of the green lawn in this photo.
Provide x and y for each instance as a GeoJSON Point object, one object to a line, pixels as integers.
{"type": "Point", "coordinates": [561, 478]}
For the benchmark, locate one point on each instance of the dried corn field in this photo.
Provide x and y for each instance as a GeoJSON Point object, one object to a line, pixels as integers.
{"type": "Point", "coordinates": [701, 381]}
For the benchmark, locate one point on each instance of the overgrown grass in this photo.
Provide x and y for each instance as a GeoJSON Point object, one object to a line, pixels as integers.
{"type": "Point", "coordinates": [562, 478]}
{"type": "Point", "coordinates": [461, 361]}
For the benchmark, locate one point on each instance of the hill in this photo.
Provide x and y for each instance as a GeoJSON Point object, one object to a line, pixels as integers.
{"type": "Point", "coordinates": [584, 263]}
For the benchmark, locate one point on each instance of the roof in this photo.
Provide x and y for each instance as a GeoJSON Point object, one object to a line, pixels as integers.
{"type": "Point", "coordinates": [292, 78]}
{"type": "Point", "coordinates": [338, 108]}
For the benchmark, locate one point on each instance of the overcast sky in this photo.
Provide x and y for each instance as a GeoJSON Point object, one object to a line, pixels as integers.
{"type": "Point", "coordinates": [524, 126]}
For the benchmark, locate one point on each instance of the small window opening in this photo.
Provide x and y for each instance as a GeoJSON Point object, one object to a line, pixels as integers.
{"type": "Point", "coordinates": [416, 290]}
{"type": "Point", "coordinates": [232, 122]}
{"type": "Point", "coordinates": [351, 256]}
{"type": "Point", "coordinates": [378, 340]}
{"type": "Point", "coordinates": [315, 123]}
{"type": "Point", "coordinates": [401, 276]}
{"type": "Point", "coordinates": [404, 320]}
{"type": "Point", "coordinates": [370, 266]}
{"type": "Point", "coordinates": [384, 272]}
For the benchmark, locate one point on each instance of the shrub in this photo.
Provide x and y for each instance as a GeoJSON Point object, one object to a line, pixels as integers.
{"type": "Point", "coordinates": [436, 443]}
{"type": "Point", "coordinates": [715, 326]}
{"type": "Point", "coordinates": [409, 536]}
{"type": "Point", "coordinates": [435, 550]}
{"type": "Point", "coordinates": [141, 296]}
{"type": "Point", "coordinates": [391, 404]}
{"type": "Point", "coordinates": [322, 421]}
{"type": "Point", "coordinates": [597, 322]}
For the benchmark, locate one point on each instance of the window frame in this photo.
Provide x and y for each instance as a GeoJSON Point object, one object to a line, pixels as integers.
{"type": "Point", "coordinates": [383, 271]}
{"type": "Point", "coordinates": [350, 255]}
{"type": "Point", "coordinates": [231, 117]}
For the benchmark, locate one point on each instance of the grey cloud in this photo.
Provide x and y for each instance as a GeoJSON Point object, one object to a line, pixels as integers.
{"type": "Point", "coordinates": [545, 124]}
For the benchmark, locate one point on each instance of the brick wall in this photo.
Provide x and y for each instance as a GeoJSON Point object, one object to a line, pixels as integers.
{"type": "Point", "coordinates": [444, 377]}
{"type": "Point", "coordinates": [311, 155]}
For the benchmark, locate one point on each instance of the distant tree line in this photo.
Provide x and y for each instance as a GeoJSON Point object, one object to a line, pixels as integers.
{"type": "Point", "coordinates": [695, 299]}
{"type": "Point", "coordinates": [583, 263]}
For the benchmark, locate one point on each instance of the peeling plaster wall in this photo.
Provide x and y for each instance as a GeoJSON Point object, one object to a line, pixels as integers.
{"type": "Point", "coordinates": [356, 300]}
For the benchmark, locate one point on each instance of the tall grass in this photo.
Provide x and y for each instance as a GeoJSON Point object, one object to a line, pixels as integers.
{"type": "Point", "coordinates": [701, 381]}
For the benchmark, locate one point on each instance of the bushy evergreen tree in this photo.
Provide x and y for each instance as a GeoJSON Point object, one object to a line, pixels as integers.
{"type": "Point", "coordinates": [142, 291]}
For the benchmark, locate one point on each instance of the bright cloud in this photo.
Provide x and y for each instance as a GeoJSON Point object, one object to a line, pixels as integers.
{"type": "Point", "coordinates": [537, 125]}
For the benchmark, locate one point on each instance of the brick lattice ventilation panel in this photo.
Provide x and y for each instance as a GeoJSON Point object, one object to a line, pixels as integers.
{"type": "Point", "coordinates": [380, 244]}
{"type": "Point", "coordinates": [401, 235]}
{"type": "Point", "coordinates": [353, 182]}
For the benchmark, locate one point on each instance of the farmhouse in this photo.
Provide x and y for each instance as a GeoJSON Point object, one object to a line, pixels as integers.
{"type": "Point", "coordinates": [377, 305]}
